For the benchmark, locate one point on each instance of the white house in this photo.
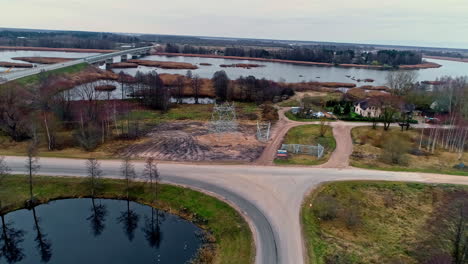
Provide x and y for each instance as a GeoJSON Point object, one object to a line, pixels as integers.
{"type": "Point", "coordinates": [365, 109]}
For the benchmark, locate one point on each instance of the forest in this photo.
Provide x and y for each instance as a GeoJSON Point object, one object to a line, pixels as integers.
{"type": "Point", "coordinates": [319, 53]}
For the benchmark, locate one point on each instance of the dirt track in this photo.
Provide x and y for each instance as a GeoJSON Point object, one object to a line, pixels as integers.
{"type": "Point", "coordinates": [341, 132]}
{"type": "Point", "coordinates": [192, 141]}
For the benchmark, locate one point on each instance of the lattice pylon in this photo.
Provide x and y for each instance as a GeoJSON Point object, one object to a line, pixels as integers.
{"type": "Point", "coordinates": [263, 131]}
{"type": "Point", "coordinates": [223, 118]}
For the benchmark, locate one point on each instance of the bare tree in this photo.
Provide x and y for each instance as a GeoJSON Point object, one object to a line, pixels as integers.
{"type": "Point", "coordinates": [323, 126]}
{"type": "Point", "coordinates": [196, 86]}
{"type": "Point", "coordinates": [127, 170]}
{"type": "Point", "coordinates": [93, 168]}
{"type": "Point", "coordinates": [401, 82]}
{"type": "Point", "coordinates": [32, 167]}
{"type": "Point", "coordinates": [180, 83]}
{"type": "Point", "coordinates": [151, 173]}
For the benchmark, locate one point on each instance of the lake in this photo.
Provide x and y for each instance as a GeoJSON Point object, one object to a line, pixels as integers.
{"type": "Point", "coordinates": [272, 70]}
{"type": "Point", "coordinates": [97, 231]}
{"type": "Point", "coordinates": [7, 55]}
{"type": "Point", "coordinates": [298, 73]}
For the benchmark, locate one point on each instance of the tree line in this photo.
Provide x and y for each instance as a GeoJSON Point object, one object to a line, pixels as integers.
{"type": "Point", "coordinates": [319, 53]}
{"type": "Point", "coordinates": [65, 39]}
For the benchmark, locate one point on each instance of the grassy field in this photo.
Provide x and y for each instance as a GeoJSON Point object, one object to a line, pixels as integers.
{"type": "Point", "coordinates": [368, 148]}
{"type": "Point", "coordinates": [308, 135]}
{"type": "Point", "coordinates": [148, 120]}
{"type": "Point", "coordinates": [371, 222]}
{"type": "Point", "coordinates": [33, 79]}
{"type": "Point", "coordinates": [233, 244]}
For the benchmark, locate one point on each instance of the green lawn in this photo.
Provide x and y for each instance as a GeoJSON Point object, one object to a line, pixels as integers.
{"type": "Point", "coordinates": [308, 135]}
{"type": "Point", "coordinates": [372, 222]}
{"type": "Point", "coordinates": [234, 243]}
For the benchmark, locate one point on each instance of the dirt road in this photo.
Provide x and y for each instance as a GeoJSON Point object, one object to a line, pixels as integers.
{"type": "Point", "coordinates": [341, 132]}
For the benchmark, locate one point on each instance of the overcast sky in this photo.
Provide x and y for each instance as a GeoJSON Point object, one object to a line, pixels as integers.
{"type": "Point", "coordinates": [405, 22]}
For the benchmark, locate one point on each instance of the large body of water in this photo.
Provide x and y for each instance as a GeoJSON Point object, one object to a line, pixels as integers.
{"type": "Point", "coordinates": [272, 70]}
{"type": "Point", "coordinates": [95, 232]}
{"type": "Point", "coordinates": [7, 55]}
{"type": "Point", "coordinates": [298, 73]}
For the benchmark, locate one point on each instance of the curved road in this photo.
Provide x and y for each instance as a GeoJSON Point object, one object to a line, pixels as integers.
{"type": "Point", "coordinates": [269, 196]}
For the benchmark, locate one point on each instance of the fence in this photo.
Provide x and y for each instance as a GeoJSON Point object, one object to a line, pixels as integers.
{"type": "Point", "coordinates": [304, 149]}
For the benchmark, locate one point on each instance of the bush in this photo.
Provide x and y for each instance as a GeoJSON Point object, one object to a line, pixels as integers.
{"type": "Point", "coordinates": [87, 138]}
{"type": "Point", "coordinates": [339, 258]}
{"type": "Point", "coordinates": [326, 208]}
{"type": "Point", "coordinates": [352, 217]}
{"type": "Point", "coordinates": [269, 112]}
{"type": "Point", "coordinates": [251, 116]}
{"type": "Point", "coordinates": [395, 149]}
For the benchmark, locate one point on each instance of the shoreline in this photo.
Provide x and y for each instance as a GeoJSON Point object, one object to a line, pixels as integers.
{"type": "Point", "coordinates": [427, 65]}
{"type": "Point", "coordinates": [465, 60]}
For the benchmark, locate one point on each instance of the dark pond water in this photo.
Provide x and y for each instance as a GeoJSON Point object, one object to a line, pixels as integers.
{"type": "Point", "coordinates": [96, 231]}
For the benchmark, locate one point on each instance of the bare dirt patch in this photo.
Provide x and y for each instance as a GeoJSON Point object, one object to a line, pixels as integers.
{"type": "Point", "coordinates": [192, 141]}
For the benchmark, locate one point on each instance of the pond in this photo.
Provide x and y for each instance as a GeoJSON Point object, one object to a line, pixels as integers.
{"type": "Point", "coordinates": [88, 90]}
{"type": "Point", "coordinates": [97, 231]}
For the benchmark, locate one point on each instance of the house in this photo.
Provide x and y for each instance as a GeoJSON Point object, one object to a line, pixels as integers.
{"type": "Point", "coordinates": [366, 109]}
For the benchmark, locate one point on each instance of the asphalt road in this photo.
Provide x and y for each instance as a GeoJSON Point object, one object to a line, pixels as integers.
{"type": "Point", "coordinates": [269, 197]}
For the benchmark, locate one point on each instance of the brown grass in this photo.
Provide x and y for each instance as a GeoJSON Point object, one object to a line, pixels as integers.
{"type": "Point", "coordinates": [368, 148]}
{"type": "Point", "coordinates": [165, 64]}
{"type": "Point", "coordinates": [120, 65]}
{"type": "Point", "coordinates": [15, 65]}
{"type": "Point", "coordinates": [57, 49]}
{"type": "Point", "coordinates": [43, 60]}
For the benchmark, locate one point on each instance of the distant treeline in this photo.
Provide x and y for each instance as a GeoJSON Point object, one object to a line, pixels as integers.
{"type": "Point", "coordinates": [66, 39]}
{"type": "Point", "coordinates": [457, 55]}
{"type": "Point", "coordinates": [327, 54]}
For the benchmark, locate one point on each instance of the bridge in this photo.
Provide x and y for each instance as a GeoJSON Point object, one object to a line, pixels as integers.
{"type": "Point", "coordinates": [107, 58]}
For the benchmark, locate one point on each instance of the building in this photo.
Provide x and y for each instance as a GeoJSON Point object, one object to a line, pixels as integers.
{"type": "Point", "coordinates": [366, 109]}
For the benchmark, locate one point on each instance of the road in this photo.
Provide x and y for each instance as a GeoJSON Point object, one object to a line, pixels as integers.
{"type": "Point", "coordinates": [269, 197]}
{"type": "Point", "coordinates": [6, 77]}
{"type": "Point", "coordinates": [27, 72]}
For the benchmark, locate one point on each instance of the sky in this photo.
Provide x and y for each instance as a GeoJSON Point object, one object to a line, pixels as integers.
{"type": "Point", "coordinates": [437, 23]}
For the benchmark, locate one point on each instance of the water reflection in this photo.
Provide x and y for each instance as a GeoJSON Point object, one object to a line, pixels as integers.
{"type": "Point", "coordinates": [97, 218]}
{"type": "Point", "coordinates": [10, 242]}
{"type": "Point", "coordinates": [129, 220]}
{"type": "Point", "coordinates": [43, 245]}
{"type": "Point", "coordinates": [96, 231]}
{"type": "Point", "coordinates": [152, 229]}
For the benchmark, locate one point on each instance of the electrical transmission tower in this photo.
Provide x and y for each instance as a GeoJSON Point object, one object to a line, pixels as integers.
{"type": "Point", "coordinates": [263, 131]}
{"type": "Point", "coordinates": [223, 118]}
